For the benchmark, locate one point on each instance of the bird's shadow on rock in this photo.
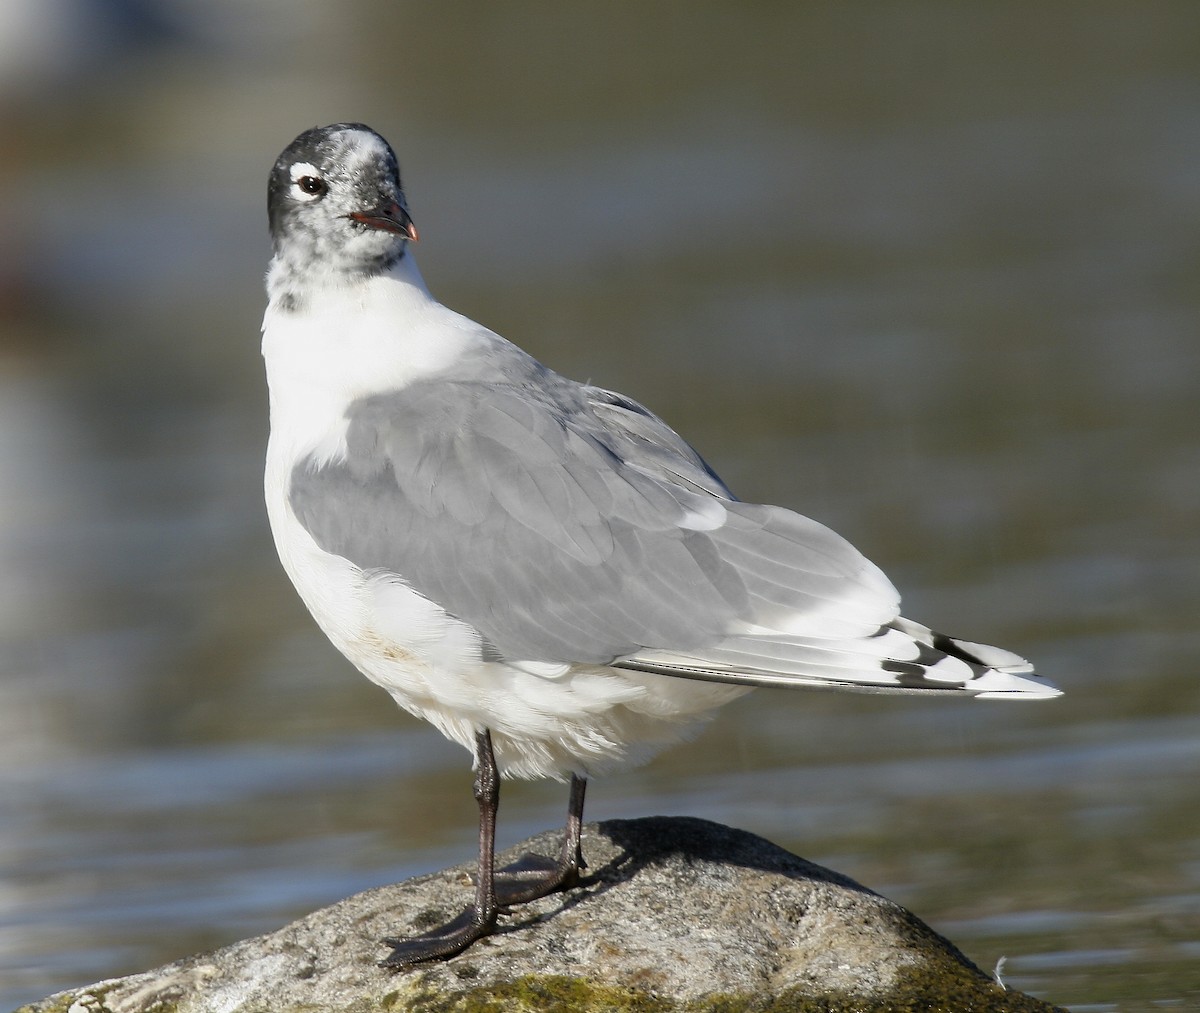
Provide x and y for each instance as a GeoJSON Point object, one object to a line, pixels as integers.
{"type": "Point", "coordinates": [645, 843]}
{"type": "Point", "coordinates": [655, 840]}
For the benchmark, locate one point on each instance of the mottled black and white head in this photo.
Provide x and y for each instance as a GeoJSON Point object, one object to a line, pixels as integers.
{"type": "Point", "coordinates": [336, 208]}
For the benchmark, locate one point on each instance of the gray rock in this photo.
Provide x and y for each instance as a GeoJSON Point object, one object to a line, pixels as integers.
{"type": "Point", "coordinates": [675, 914]}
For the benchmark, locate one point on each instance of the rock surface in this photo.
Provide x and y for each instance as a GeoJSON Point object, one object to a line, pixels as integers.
{"type": "Point", "coordinates": [674, 915]}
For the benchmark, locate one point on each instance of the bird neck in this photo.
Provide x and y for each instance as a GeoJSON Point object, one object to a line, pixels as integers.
{"type": "Point", "coordinates": [294, 283]}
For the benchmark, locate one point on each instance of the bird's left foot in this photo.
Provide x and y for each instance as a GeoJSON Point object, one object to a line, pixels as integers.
{"type": "Point", "coordinates": [532, 876]}
{"type": "Point", "coordinates": [441, 943]}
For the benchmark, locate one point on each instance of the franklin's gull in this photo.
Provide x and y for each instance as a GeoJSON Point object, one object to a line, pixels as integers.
{"type": "Point", "coordinates": [542, 569]}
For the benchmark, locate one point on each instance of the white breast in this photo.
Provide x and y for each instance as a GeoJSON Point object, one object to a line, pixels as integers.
{"type": "Point", "coordinates": [345, 343]}
{"type": "Point", "coordinates": [348, 342]}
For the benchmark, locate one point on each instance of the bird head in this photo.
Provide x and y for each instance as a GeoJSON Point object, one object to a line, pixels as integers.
{"type": "Point", "coordinates": [336, 205]}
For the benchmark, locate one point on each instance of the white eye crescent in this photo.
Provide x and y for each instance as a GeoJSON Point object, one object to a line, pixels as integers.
{"type": "Point", "coordinates": [307, 182]}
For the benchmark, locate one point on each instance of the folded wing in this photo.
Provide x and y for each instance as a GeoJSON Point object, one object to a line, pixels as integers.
{"type": "Point", "coordinates": [569, 524]}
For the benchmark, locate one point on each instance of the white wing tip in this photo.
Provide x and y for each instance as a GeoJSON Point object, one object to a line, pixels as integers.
{"type": "Point", "coordinates": [1041, 693]}
{"type": "Point", "coordinates": [999, 684]}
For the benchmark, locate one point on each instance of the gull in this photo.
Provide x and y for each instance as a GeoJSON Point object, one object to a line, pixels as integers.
{"type": "Point", "coordinates": [542, 569]}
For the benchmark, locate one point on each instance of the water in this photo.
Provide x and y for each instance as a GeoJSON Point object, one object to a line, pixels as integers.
{"type": "Point", "coordinates": [925, 273]}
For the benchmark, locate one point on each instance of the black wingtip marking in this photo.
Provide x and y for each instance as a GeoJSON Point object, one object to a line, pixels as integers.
{"type": "Point", "coordinates": [911, 674]}
{"type": "Point", "coordinates": [955, 649]}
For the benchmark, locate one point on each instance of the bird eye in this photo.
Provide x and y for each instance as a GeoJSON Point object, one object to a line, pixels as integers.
{"type": "Point", "coordinates": [314, 186]}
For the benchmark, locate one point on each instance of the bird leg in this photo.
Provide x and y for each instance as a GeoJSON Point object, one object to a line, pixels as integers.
{"type": "Point", "coordinates": [478, 920]}
{"type": "Point", "coordinates": [530, 877]}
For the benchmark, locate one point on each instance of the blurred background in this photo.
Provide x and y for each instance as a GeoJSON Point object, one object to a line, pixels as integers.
{"type": "Point", "coordinates": [925, 271]}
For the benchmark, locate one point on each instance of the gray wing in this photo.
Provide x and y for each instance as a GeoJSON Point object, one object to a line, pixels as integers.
{"type": "Point", "coordinates": [567, 523]}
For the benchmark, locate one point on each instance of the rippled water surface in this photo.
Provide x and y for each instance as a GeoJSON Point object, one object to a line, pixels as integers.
{"type": "Point", "coordinates": [925, 272]}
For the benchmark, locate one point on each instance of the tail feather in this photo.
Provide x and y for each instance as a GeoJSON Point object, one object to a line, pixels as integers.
{"type": "Point", "coordinates": [900, 657]}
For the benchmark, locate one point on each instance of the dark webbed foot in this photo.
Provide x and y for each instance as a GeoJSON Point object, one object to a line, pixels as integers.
{"type": "Point", "coordinates": [440, 943]}
{"type": "Point", "coordinates": [533, 876]}
{"type": "Point", "coordinates": [528, 878]}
